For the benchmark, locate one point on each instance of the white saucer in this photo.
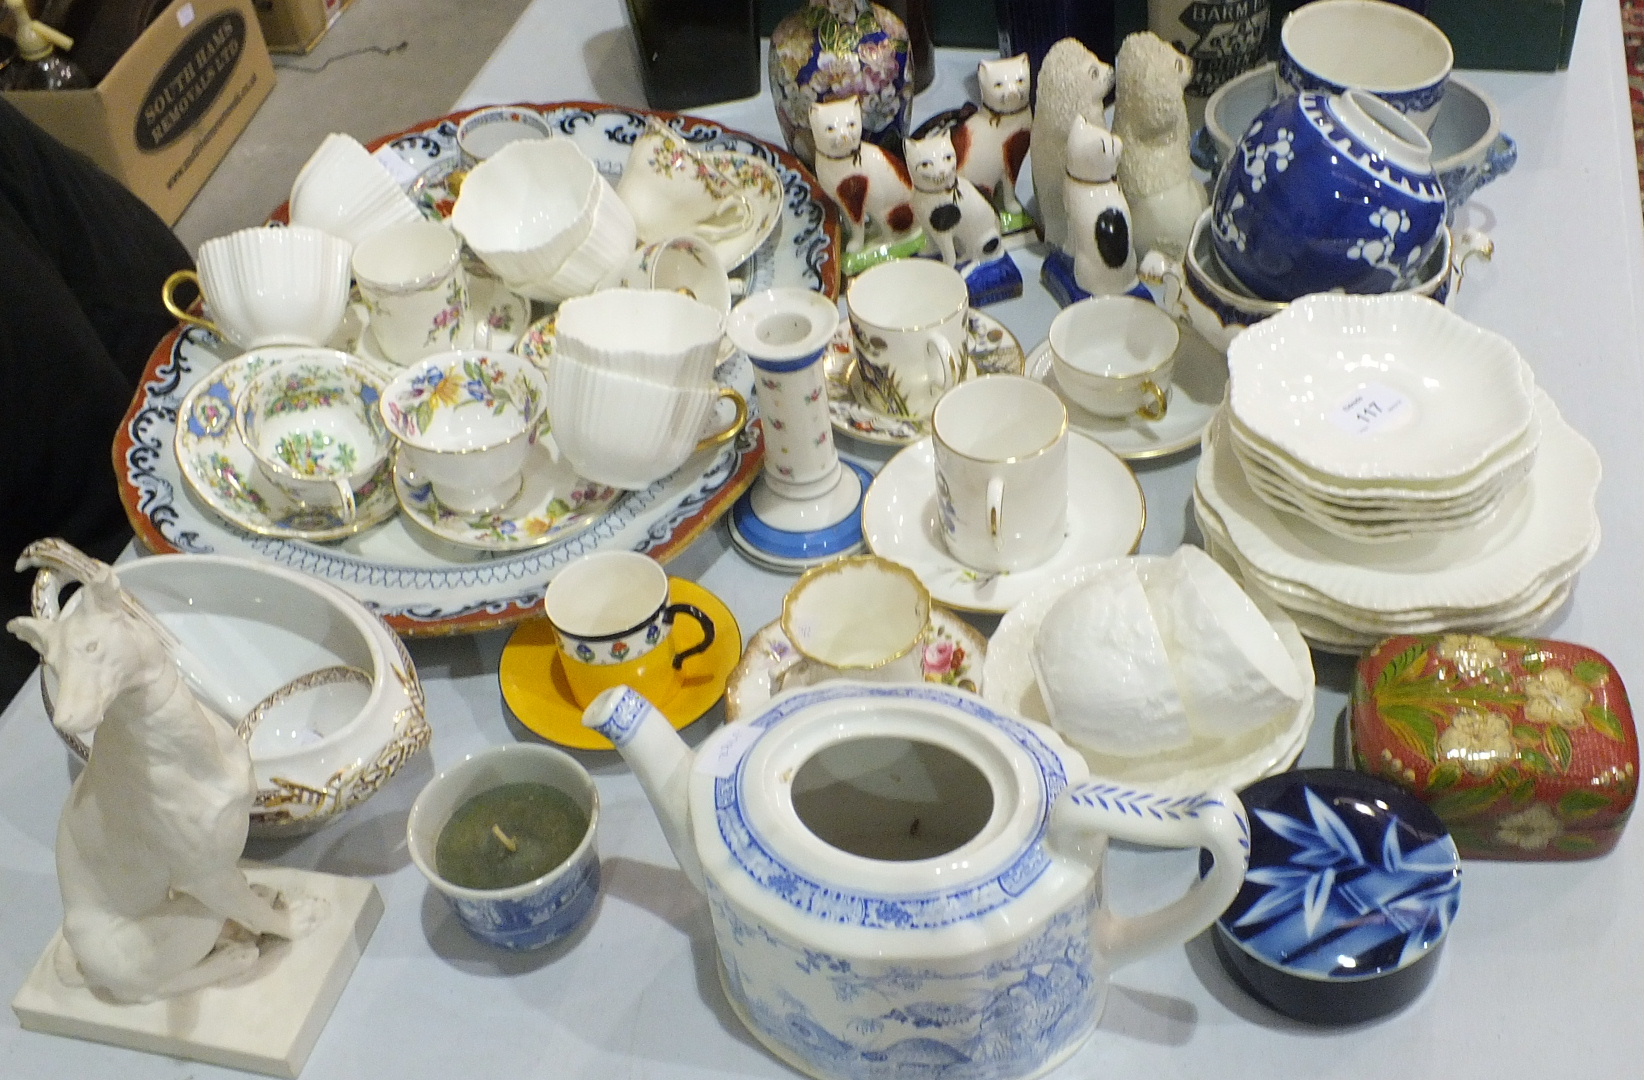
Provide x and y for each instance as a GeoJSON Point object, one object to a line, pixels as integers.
{"type": "Point", "coordinates": [1105, 516]}
{"type": "Point", "coordinates": [553, 504]}
{"type": "Point", "coordinates": [223, 474]}
{"type": "Point", "coordinates": [1197, 386]}
{"type": "Point", "coordinates": [953, 655]}
{"type": "Point", "coordinates": [991, 348]}
{"type": "Point", "coordinates": [506, 315]}
{"type": "Point", "coordinates": [1010, 685]}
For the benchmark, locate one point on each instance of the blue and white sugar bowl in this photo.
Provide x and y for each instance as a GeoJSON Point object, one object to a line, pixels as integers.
{"type": "Point", "coordinates": [1352, 887]}
{"type": "Point", "coordinates": [904, 880]}
{"type": "Point", "coordinates": [1327, 192]}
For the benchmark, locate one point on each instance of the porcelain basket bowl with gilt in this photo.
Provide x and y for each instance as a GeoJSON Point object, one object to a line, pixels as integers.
{"type": "Point", "coordinates": [321, 688]}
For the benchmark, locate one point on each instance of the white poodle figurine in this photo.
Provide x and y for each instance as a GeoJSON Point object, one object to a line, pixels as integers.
{"type": "Point", "coordinates": [1073, 81]}
{"type": "Point", "coordinates": [154, 904]}
{"type": "Point", "coordinates": [1156, 172]}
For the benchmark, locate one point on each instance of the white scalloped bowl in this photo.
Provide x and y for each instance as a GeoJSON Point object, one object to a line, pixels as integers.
{"type": "Point", "coordinates": [526, 209]}
{"type": "Point", "coordinates": [663, 337]}
{"type": "Point", "coordinates": [1447, 396]}
{"type": "Point", "coordinates": [248, 629]}
{"type": "Point", "coordinates": [342, 190]}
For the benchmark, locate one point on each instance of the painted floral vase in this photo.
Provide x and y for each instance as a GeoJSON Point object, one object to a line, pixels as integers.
{"type": "Point", "coordinates": [1524, 747]}
{"type": "Point", "coordinates": [1327, 193]}
{"type": "Point", "coordinates": [833, 49]}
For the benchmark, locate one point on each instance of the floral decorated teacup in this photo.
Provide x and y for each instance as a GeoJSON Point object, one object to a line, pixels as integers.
{"type": "Point", "coordinates": [466, 422]}
{"type": "Point", "coordinates": [611, 615]}
{"type": "Point", "coordinates": [672, 190]}
{"type": "Point", "coordinates": [312, 423]}
{"type": "Point", "coordinates": [411, 279]}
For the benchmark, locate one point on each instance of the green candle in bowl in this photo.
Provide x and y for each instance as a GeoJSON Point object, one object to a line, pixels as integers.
{"type": "Point", "coordinates": [508, 835]}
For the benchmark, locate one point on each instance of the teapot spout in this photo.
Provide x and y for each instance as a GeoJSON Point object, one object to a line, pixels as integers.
{"type": "Point", "coordinates": [659, 758]}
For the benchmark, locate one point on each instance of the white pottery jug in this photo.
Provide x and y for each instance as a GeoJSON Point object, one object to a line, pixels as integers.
{"type": "Point", "coordinates": [905, 880]}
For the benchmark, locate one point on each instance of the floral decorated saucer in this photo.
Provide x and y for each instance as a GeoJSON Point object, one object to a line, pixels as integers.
{"type": "Point", "coordinates": [495, 319]}
{"type": "Point", "coordinates": [1106, 513]}
{"type": "Point", "coordinates": [991, 348]}
{"type": "Point", "coordinates": [1196, 389]}
{"type": "Point", "coordinates": [953, 655]}
{"type": "Point", "coordinates": [553, 504]}
{"type": "Point", "coordinates": [222, 473]}
{"type": "Point", "coordinates": [534, 686]}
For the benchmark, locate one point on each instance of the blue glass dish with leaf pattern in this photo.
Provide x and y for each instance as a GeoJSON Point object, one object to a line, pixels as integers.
{"type": "Point", "coordinates": [1352, 887]}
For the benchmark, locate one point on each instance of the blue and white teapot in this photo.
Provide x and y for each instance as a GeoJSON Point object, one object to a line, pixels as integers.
{"type": "Point", "coordinates": [903, 878]}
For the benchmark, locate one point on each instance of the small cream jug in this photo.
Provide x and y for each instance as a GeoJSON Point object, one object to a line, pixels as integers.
{"type": "Point", "coordinates": [901, 874]}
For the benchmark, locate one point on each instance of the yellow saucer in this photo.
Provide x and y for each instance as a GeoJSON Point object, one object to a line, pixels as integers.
{"type": "Point", "coordinates": [534, 686]}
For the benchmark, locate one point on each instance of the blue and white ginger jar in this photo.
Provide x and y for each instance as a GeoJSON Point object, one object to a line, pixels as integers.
{"type": "Point", "coordinates": [1327, 193]}
{"type": "Point", "coordinates": [904, 881]}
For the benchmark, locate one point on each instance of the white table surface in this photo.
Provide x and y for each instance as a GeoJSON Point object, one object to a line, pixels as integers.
{"type": "Point", "coordinates": [1544, 969]}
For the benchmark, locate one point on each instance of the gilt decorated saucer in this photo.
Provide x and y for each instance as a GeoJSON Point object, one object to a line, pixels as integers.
{"type": "Point", "coordinates": [222, 473]}
{"type": "Point", "coordinates": [1196, 389]}
{"type": "Point", "coordinates": [553, 504]}
{"type": "Point", "coordinates": [991, 348]}
{"type": "Point", "coordinates": [534, 686]}
{"type": "Point", "coordinates": [1106, 513]}
{"type": "Point", "coordinates": [952, 654]}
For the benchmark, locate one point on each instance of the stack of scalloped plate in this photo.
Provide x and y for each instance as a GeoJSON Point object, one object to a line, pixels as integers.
{"type": "Point", "coordinates": [1379, 418]}
{"type": "Point", "coordinates": [1384, 467]}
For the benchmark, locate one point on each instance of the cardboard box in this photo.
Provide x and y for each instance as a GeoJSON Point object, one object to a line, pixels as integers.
{"type": "Point", "coordinates": [296, 26]}
{"type": "Point", "coordinates": [169, 110]}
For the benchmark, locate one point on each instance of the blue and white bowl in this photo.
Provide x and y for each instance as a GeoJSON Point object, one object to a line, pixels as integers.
{"type": "Point", "coordinates": [1352, 886]}
{"type": "Point", "coordinates": [1469, 147]}
{"type": "Point", "coordinates": [1389, 50]}
{"type": "Point", "coordinates": [1327, 193]}
{"type": "Point", "coordinates": [542, 910]}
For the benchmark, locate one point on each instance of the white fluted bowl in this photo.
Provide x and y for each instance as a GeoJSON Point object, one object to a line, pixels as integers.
{"type": "Point", "coordinates": [664, 337]}
{"type": "Point", "coordinates": [344, 191]}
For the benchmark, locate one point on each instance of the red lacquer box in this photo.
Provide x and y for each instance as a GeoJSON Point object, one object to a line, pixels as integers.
{"type": "Point", "coordinates": [1525, 748]}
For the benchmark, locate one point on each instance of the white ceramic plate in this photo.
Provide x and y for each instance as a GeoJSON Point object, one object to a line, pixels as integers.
{"type": "Point", "coordinates": [1009, 684]}
{"type": "Point", "coordinates": [1378, 387]}
{"type": "Point", "coordinates": [1301, 602]}
{"type": "Point", "coordinates": [991, 348]}
{"type": "Point", "coordinates": [953, 655]}
{"type": "Point", "coordinates": [1105, 516]}
{"type": "Point", "coordinates": [1197, 387]}
{"type": "Point", "coordinates": [1517, 458]}
{"type": "Point", "coordinates": [223, 475]}
{"type": "Point", "coordinates": [1549, 524]}
{"type": "Point", "coordinates": [553, 504]}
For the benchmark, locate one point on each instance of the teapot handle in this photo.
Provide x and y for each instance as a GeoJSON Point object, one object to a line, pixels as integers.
{"type": "Point", "coordinates": [1089, 812]}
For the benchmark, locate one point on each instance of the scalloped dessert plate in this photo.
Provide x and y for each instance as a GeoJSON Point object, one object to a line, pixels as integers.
{"type": "Point", "coordinates": [1548, 525]}
{"type": "Point", "coordinates": [1394, 388]}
